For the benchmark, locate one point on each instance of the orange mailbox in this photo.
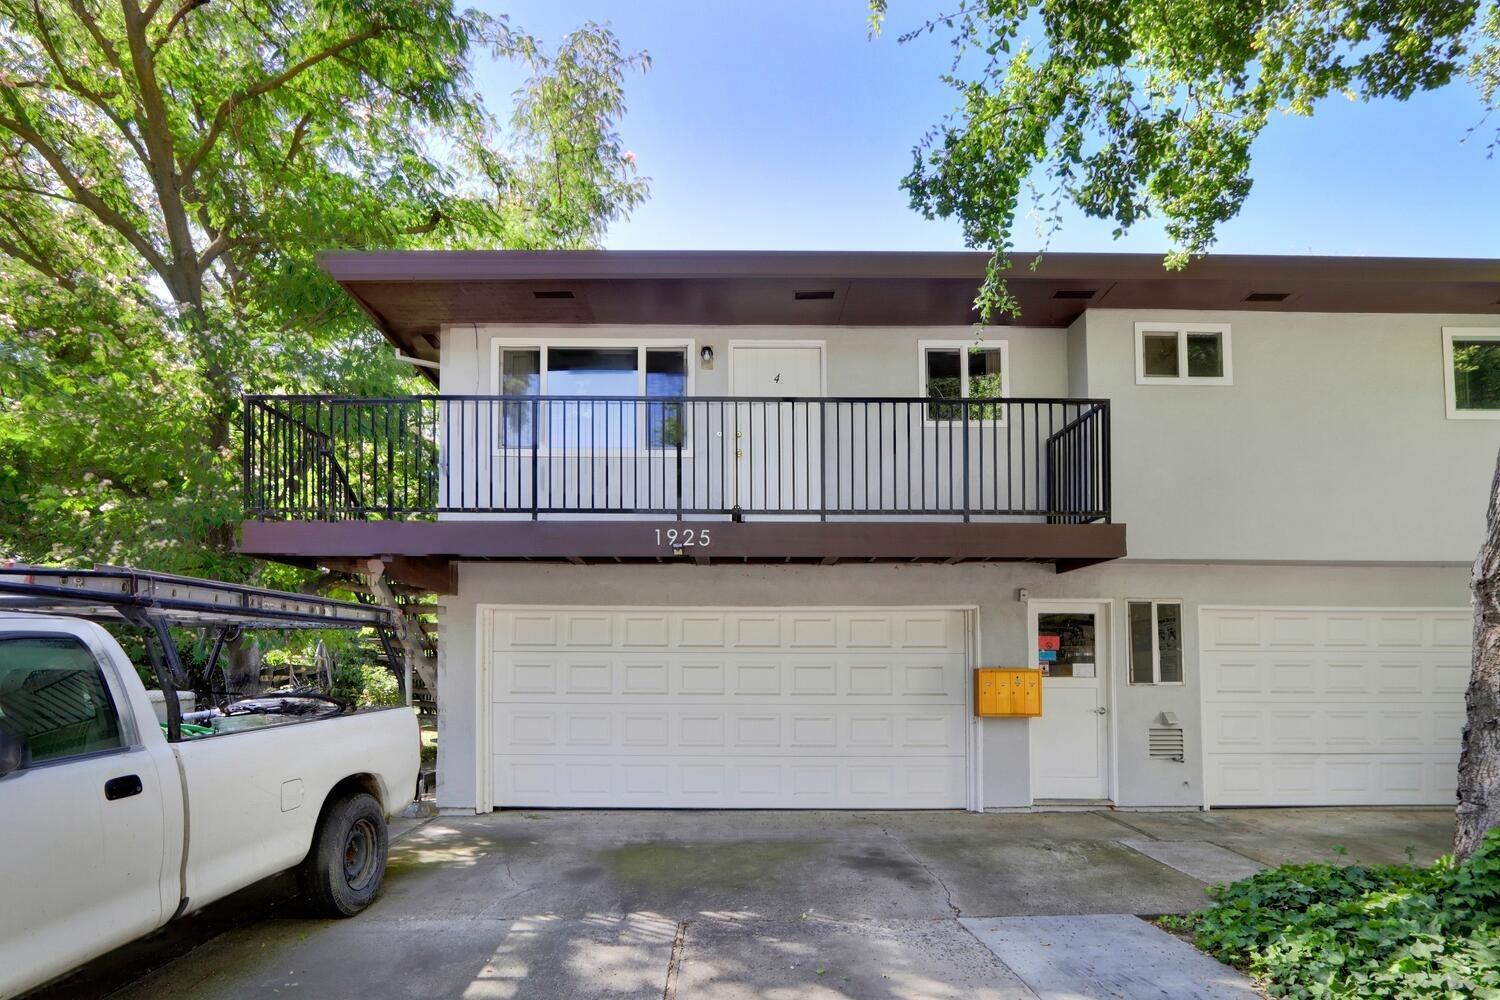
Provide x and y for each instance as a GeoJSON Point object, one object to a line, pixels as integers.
{"type": "Point", "coordinates": [1007, 691]}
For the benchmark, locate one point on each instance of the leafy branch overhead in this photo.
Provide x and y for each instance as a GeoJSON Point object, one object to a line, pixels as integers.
{"type": "Point", "coordinates": [169, 170]}
{"type": "Point", "coordinates": [1151, 109]}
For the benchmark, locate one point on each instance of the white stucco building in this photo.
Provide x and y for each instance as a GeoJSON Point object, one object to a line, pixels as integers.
{"type": "Point", "coordinates": [735, 529]}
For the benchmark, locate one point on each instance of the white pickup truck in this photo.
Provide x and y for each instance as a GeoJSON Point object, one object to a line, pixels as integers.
{"type": "Point", "coordinates": [108, 830]}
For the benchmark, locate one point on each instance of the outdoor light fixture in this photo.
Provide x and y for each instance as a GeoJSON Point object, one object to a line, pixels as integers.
{"type": "Point", "coordinates": [707, 354]}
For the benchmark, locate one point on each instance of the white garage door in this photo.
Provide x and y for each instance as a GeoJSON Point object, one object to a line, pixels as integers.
{"type": "Point", "coordinates": [742, 708]}
{"type": "Point", "coordinates": [1317, 706]}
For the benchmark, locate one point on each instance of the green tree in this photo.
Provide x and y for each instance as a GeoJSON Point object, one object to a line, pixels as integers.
{"type": "Point", "coordinates": [168, 170]}
{"type": "Point", "coordinates": [1145, 110]}
{"type": "Point", "coordinates": [1151, 108]}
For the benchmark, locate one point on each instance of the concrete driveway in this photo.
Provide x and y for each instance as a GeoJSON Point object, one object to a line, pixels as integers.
{"type": "Point", "coordinates": [724, 905]}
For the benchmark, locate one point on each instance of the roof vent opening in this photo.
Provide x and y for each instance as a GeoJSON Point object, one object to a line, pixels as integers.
{"type": "Point", "coordinates": [809, 295]}
{"type": "Point", "coordinates": [1267, 296]}
{"type": "Point", "coordinates": [553, 293]}
{"type": "Point", "coordinates": [1073, 293]}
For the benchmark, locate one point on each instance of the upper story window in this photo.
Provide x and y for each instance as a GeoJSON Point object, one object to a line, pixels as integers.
{"type": "Point", "coordinates": [594, 372]}
{"type": "Point", "coordinates": [1155, 642]}
{"type": "Point", "coordinates": [965, 369]}
{"type": "Point", "coordinates": [1471, 372]}
{"type": "Point", "coordinates": [1182, 354]}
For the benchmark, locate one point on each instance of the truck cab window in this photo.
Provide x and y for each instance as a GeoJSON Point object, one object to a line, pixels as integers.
{"type": "Point", "coordinates": [53, 697]}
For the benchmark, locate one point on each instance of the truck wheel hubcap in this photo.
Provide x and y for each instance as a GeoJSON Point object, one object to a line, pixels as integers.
{"type": "Point", "coordinates": [359, 854]}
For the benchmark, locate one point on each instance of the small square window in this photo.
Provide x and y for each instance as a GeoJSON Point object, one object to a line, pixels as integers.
{"type": "Point", "coordinates": [1196, 354]}
{"type": "Point", "coordinates": [1155, 642]}
{"type": "Point", "coordinates": [965, 370]}
{"type": "Point", "coordinates": [1472, 375]}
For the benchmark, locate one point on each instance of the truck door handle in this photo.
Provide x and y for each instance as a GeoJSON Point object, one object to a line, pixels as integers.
{"type": "Point", "coordinates": [122, 787]}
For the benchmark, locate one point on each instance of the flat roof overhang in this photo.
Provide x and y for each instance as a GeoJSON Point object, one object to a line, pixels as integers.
{"type": "Point", "coordinates": [425, 546]}
{"type": "Point", "coordinates": [410, 295]}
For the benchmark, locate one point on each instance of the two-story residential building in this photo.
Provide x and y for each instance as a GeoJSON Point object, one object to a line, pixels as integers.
{"type": "Point", "coordinates": [736, 529]}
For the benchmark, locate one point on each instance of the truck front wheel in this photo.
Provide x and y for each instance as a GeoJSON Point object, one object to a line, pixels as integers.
{"type": "Point", "coordinates": [342, 872]}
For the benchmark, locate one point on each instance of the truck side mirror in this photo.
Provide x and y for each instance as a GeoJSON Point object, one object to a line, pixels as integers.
{"type": "Point", "coordinates": [15, 752]}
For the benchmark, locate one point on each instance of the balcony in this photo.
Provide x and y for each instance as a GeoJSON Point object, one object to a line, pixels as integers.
{"type": "Point", "coordinates": [700, 478]}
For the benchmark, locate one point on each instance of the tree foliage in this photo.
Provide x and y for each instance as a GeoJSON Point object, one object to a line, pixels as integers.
{"type": "Point", "coordinates": [168, 171]}
{"type": "Point", "coordinates": [1150, 108]}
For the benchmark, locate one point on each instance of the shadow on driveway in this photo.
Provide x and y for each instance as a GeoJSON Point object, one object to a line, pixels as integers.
{"type": "Point", "coordinates": [717, 905]}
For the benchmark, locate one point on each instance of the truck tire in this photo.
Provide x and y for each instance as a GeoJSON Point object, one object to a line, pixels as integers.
{"type": "Point", "coordinates": [341, 874]}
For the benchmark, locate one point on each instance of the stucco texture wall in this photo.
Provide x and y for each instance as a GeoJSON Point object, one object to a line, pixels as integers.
{"type": "Point", "coordinates": [1138, 782]}
{"type": "Point", "coordinates": [1333, 443]}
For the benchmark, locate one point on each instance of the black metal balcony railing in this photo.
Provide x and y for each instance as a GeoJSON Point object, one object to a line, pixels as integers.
{"type": "Point", "coordinates": [332, 458]}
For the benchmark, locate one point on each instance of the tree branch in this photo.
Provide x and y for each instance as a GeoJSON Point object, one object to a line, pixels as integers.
{"type": "Point", "coordinates": [182, 11]}
{"type": "Point", "coordinates": [228, 107]}
{"type": "Point", "coordinates": [100, 39]}
{"type": "Point", "coordinates": [77, 88]}
{"type": "Point", "coordinates": [88, 198]}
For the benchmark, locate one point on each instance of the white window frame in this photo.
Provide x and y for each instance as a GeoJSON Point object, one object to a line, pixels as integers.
{"type": "Point", "coordinates": [1182, 330]}
{"type": "Point", "coordinates": [1450, 389]}
{"type": "Point", "coordinates": [501, 344]}
{"type": "Point", "coordinates": [1155, 680]}
{"type": "Point", "coordinates": [963, 346]}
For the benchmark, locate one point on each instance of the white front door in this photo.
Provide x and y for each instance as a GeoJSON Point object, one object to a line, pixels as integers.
{"type": "Point", "coordinates": [777, 445]}
{"type": "Point", "coordinates": [1070, 741]}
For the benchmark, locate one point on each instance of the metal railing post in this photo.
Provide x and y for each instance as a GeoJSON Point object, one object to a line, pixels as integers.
{"type": "Point", "coordinates": [247, 492]}
{"type": "Point", "coordinates": [536, 434]}
{"type": "Point", "coordinates": [679, 437]}
{"type": "Point", "coordinates": [965, 406]}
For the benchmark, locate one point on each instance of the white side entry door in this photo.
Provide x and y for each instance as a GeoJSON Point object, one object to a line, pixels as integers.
{"type": "Point", "coordinates": [1070, 741]}
{"type": "Point", "coordinates": [84, 844]}
{"type": "Point", "coordinates": [777, 446]}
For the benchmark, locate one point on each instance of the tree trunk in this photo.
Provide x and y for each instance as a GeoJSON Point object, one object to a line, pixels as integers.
{"type": "Point", "coordinates": [1479, 762]}
{"type": "Point", "coordinates": [241, 661]}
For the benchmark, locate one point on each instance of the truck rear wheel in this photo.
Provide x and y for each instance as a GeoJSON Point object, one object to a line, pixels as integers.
{"type": "Point", "coordinates": [342, 872]}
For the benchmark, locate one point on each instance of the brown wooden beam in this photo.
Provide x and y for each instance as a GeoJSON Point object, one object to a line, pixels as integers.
{"type": "Point", "coordinates": [421, 547]}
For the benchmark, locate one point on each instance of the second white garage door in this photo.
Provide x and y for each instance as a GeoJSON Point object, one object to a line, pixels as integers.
{"type": "Point", "coordinates": [728, 708]}
{"type": "Point", "coordinates": [1322, 706]}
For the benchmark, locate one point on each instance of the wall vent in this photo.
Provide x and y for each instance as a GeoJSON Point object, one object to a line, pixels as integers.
{"type": "Point", "coordinates": [809, 295]}
{"type": "Point", "coordinates": [1267, 296]}
{"type": "Point", "coordinates": [552, 294]}
{"type": "Point", "coordinates": [1073, 293]}
{"type": "Point", "coordinates": [1166, 744]}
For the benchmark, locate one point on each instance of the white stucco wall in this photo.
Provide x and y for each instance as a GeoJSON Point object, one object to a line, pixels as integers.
{"type": "Point", "coordinates": [1332, 445]}
{"type": "Point", "coordinates": [861, 361]}
{"type": "Point", "coordinates": [1006, 761]}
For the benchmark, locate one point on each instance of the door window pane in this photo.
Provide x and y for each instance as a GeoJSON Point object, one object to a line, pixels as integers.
{"type": "Point", "coordinates": [666, 375]}
{"type": "Point", "coordinates": [1169, 642]}
{"type": "Point", "coordinates": [1072, 635]}
{"type": "Point", "coordinates": [943, 382]}
{"type": "Point", "coordinates": [1476, 374]}
{"type": "Point", "coordinates": [1205, 355]}
{"type": "Point", "coordinates": [520, 375]}
{"type": "Point", "coordinates": [53, 697]}
{"type": "Point", "coordinates": [1159, 354]}
{"type": "Point", "coordinates": [1141, 667]}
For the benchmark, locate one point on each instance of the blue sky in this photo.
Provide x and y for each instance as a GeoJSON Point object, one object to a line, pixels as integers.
{"type": "Point", "coordinates": [781, 125]}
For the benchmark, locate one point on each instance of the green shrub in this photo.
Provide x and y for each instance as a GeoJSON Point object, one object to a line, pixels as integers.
{"type": "Point", "coordinates": [1321, 930]}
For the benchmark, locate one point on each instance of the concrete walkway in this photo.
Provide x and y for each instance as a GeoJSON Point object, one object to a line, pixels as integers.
{"type": "Point", "coordinates": [725, 905]}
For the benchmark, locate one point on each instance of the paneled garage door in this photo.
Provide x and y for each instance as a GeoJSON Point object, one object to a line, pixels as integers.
{"type": "Point", "coordinates": [1318, 706]}
{"type": "Point", "coordinates": [752, 708]}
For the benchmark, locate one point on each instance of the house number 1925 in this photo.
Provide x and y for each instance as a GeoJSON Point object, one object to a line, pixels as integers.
{"type": "Point", "coordinates": [683, 538]}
